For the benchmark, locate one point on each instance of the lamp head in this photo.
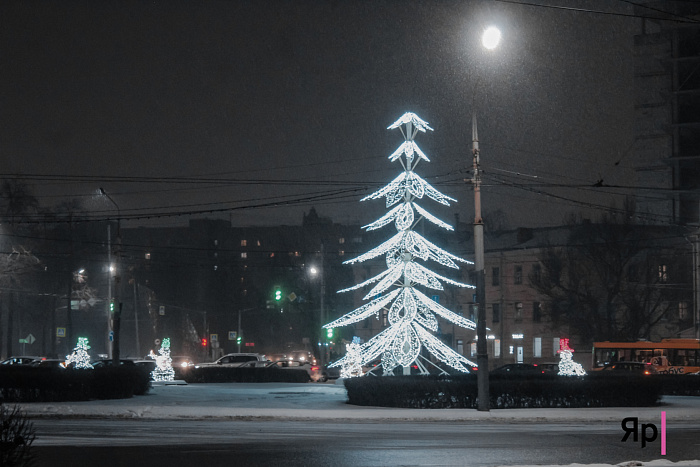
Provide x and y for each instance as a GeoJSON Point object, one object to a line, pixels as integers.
{"type": "Point", "coordinates": [491, 37]}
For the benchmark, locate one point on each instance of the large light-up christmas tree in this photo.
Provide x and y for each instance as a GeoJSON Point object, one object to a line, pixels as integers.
{"type": "Point", "coordinates": [411, 313]}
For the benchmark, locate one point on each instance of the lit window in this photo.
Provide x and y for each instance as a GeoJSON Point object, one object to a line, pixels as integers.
{"type": "Point", "coordinates": [663, 273]}
{"type": "Point", "coordinates": [244, 242]}
{"type": "Point", "coordinates": [341, 240]}
{"type": "Point", "coordinates": [257, 242]}
{"type": "Point", "coordinates": [272, 255]}
{"type": "Point", "coordinates": [497, 348]}
{"type": "Point", "coordinates": [244, 255]}
{"type": "Point", "coordinates": [341, 253]}
{"type": "Point", "coordinates": [216, 267]}
{"type": "Point", "coordinates": [537, 347]}
{"type": "Point", "coordinates": [460, 346]}
{"type": "Point", "coordinates": [148, 256]}
{"type": "Point", "coordinates": [216, 242]}
{"type": "Point", "coordinates": [297, 254]}
{"type": "Point", "coordinates": [472, 349]}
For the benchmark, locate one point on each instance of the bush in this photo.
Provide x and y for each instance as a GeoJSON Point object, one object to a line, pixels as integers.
{"type": "Point", "coordinates": [461, 391]}
{"type": "Point", "coordinates": [31, 384]}
{"type": "Point", "coordinates": [16, 437]}
{"type": "Point", "coordinates": [271, 374]}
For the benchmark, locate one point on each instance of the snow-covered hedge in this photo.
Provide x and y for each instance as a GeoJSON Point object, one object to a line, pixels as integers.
{"type": "Point", "coordinates": [536, 391]}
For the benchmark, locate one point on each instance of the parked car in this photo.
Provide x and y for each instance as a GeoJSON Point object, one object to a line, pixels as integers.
{"type": "Point", "coordinates": [238, 360]}
{"type": "Point", "coordinates": [314, 371]}
{"type": "Point", "coordinates": [50, 363]}
{"type": "Point", "coordinates": [330, 373]}
{"type": "Point", "coordinates": [549, 367]}
{"type": "Point", "coordinates": [301, 356]}
{"type": "Point", "coordinates": [109, 362]}
{"type": "Point", "coordinates": [20, 360]}
{"type": "Point", "coordinates": [518, 369]}
{"type": "Point", "coordinates": [638, 368]}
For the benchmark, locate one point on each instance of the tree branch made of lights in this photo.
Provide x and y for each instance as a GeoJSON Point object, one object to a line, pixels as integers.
{"type": "Point", "coordinates": [411, 314]}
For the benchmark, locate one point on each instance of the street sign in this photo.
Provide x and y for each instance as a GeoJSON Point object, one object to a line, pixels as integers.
{"type": "Point", "coordinates": [30, 339]}
{"type": "Point", "coordinates": [161, 310]}
{"type": "Point", "coordinates": [214, 337]}
{"type": "Point", "coordinates": [436, 298]}
{"type": "Point", "coordinates": [111, 336]}
{"type": "Point", "coordinates": [232, 335]}
{"type": "Point", "coordinates": [60, 332]}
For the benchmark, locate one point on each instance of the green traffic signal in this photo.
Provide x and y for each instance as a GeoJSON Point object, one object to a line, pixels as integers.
{"type": "Point", "coordinates": [278, 294]}
{"type": "Point", "coordinates": [329, 333]}
{"type": "Point", "coordinates": [238, 340]}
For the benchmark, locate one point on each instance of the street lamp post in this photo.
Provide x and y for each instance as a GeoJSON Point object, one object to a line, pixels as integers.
{"type": "Point", "coordinates": [490, 40]}
{"type": "Point", "coordinates": [117, 284]}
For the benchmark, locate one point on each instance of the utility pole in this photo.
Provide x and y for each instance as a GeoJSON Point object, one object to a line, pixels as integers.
{"type": "Point", "coordinates": [482, 357]}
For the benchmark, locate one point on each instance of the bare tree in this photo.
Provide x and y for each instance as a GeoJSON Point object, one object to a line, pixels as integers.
{"type": "Point", "coordinates": [615, 280]}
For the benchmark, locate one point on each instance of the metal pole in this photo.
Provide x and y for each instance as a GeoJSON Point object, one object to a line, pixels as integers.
{"type": "Point", "coordinates": [482, 358]}
{"type": "Point", "coordinates": [325, 350]}
{"type": "Point", "coordinates": [136, 318]}
{"type": "Point", "coordinates": [108, 343]}
{"type": "Point", "coordinates": [238, 337]}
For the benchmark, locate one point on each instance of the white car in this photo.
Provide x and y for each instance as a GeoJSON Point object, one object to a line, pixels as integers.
{"type": "Point", "coordinates": [238, 360]}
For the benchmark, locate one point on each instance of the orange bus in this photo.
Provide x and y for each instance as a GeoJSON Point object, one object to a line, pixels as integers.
{"type": "Point", "coordinates": [671, 356]}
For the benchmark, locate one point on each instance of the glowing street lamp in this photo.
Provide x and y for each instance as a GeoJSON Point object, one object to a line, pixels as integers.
{"type": "Point", "coordinates": [490, 40]}
{"type": "Point", "coordinates": [491, 37]}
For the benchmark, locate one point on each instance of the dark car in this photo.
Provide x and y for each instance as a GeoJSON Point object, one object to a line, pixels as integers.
{"type": "Point", "coordinates": [20, 360]}
{"type": "Point", "coordinates": [629, 368]}
{"type": "Point", "coordinates": [517, 369]}
{"type": "Point", "coordinates": [549, 367]}
{"type": "Point", "coordinates": [330, 373]}
{"type": "Point", "coordinates": [109, 362]}
{"type": "Point", "coordinates": [55, 363]}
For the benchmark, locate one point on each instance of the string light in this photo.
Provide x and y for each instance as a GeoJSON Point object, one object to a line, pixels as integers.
{"type": "Point", "coordinates": [567, 366]}
{"type": "Point", "coordinates": [80, 359]}
{"type": "Point", "coordinates": [411, 314]}
{"type": "Point", "coordinates": [164, 364]}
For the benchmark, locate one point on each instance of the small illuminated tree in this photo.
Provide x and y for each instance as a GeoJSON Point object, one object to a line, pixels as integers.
{"type": "Point", "coordinates": [411, 314]}
{"type": "Point", "coordinates": [352, 365]}
{"type": "Point", "coordinates": [164, 364]}
{"type": "Point", "coordinates": [80, 358]}
{"type": "Point", "coordinates": [567, 365]}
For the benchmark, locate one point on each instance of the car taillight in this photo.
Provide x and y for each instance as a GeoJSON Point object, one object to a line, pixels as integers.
{"type": "Point", "coordinates": [314, 368]}
{"type": "Point", "coordinates": [647, 373]}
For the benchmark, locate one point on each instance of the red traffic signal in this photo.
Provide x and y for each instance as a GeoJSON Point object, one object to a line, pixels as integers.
{"type": "Point", "coordinates": [204, 341]}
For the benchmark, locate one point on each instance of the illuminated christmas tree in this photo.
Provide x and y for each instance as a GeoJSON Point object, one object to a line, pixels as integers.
{"type": "Point", "coordinates": [567, 365]}
{"type": "Point", "coordinates": [352, 364]}
{"type": "Point", "coordinates": [164, 364]}
{"type": "Point", "coordinates": [411, 313]}
{"type": "Point", "coordinates": [80, 357]}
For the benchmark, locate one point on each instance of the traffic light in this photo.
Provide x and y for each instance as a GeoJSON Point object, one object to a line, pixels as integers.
{"type": "Point", "coordinates": [329, 333]}
{"type": "Point", "coordinates": [111, 306]}
{"type": "Point", "coordinates": [278, 293]}
{"type": "Point", "coordinates": [204, 341]}
{"type": "Point", "coordinates": [238, 340]}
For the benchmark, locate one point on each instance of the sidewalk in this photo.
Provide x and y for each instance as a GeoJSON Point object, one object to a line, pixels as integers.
{"type": "Point", "coordinates": [313, 401]}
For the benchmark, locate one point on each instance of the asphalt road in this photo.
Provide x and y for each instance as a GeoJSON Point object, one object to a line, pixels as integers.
{"type": "Point", "coordinates": [93, 442]}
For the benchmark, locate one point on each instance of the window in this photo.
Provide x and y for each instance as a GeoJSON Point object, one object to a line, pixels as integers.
{"type": "Point", "coordinates": [536, 312]}
{"type": "Point", "coordinates": [518, 311]}
{"type": "Point", "coordinates": [555, 346]}
{"type": "Point", "coordinates": [497, 348]}
{"type": "Point", "coordinates": [384, 318]}
{"type": "Point", "coordinates": [682, 310]}
{"type": "Point", "coordinates": [537, 347]}
{"type": "Point", "coordinates": [472, 349]}
{"type": "Point", "coordinates": [216, 243]}
{"type": "Point", "coordinates": [518, 275]}
{"type": "Point", "coordinates": [272, 255]}
{"type": "Point", "coordinates": [341, 252]}
{"type": "Point", "coordinates": [460, 346]}
{"type": "Point", "coordinates": [244, 255]}
{"type": "Point", "coordinates": [536, 271]}
{"type": "Point", "coordinates": [496, 312]}
{"type": "Point", "coordinates": [297, 254]}
{"type": "Point", "coordinates": [257, 242]}
{"type": "Point", "coordinates": [341, 240]}
{"type": "Point", "coordinates": [495, 276]}
{"type": "Point", "coordinates": [663, 273]}
{"type": "Point", "coordinates": [147, 256]}
{"type": "Point", "coordinates": [244, 242]}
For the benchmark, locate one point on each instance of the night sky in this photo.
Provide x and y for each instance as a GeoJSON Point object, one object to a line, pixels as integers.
{"type": "Point", "coordinates": [260, 102]}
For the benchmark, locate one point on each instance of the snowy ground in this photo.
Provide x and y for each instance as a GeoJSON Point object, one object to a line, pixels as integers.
{"type": "Point", "coordinates": [290, 401]}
